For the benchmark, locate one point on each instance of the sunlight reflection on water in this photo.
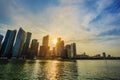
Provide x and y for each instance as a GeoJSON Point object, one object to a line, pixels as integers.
{"type": "Point", "coordinates": [60, 70]}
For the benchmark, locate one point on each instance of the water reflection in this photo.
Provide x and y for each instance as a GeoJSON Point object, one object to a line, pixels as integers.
{"type": "Point", "coordinates": [12, 70]}
{"type": "Point", "coordinates": [99, 70]}
{"type": "Point", "coordinates": [60, 70]}
{"type": "Point", "coordinates": [54, 70]}
{"type": "Point", "coordinates": [39, 70]}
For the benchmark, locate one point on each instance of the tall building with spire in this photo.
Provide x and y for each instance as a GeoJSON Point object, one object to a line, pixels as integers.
{"type": "Point", "coordinates": [6, 49]}
{"type": "Point", "coordinates": [18, 47]}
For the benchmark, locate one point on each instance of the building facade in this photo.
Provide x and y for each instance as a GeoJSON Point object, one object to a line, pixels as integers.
{"type": "Point", "coordinates": [1, 38]}
{"type": "Point", "coordinates": [6, 49]}
{"type": "Point", "coordinates": [73, 50]}
{"type": "Point", "coordinates": [44, 49]}
{"type": "Point", "coordinates": [68, 51]}
{"type": "Point", "coordinates": [18, 47]}
{"type": "Point", "coordinates": [60, 48]}
{"type": "Point", "coordinates": [34, 48]}
{"type": "Point", "coordinates": [25, 51]}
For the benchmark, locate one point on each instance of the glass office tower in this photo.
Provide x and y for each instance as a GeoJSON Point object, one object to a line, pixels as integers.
{"type": "Point", "coordinates": [6, 49]}
{"type": "Point", "coordinates": [18, 47]}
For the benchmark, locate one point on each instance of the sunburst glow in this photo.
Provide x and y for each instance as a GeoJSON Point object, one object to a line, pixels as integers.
{"type": "Point", "coordinates": [54, 41]}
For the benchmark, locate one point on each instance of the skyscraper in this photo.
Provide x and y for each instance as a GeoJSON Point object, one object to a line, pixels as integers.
{"type": "Point", "coordinates": [34, 48]}
{"type": "Point", "coordinates": [1, 38]}
{"type": "Point", "coordinates": [73, 50]}
{"type": "Point", "coordinates": [44, 49]}
{"type": "Point", "coordinates": [26, 44]}
{"type": "Point", "coordinates": [58, 52]}
{"type": "Point", "coordinates": [60, 48]}
{"type": "Point", "coordinates": [68, 51]}
{"type": "Point", "coordinates": [45, 40]}
{"type": "Point", "coordinates": [17, 50]}
{"type": "Point", "coordinates": [6, 49]}
{"type": "Point", "coordinates": [53, 52]}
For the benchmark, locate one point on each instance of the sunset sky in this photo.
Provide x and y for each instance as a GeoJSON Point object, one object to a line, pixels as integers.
{"type": "Point", "coordinates": [94, 25]}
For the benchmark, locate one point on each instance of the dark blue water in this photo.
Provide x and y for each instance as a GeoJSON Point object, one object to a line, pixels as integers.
{"type": "Point", "coordinates": [60, 70]}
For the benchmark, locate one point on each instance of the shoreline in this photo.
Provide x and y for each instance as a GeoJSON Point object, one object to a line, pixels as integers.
{"type": "Point", "coordinates": [57, 59]}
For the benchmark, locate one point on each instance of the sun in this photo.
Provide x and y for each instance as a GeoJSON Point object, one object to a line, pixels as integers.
{"type": "Point", "coordinates": [54, 41]}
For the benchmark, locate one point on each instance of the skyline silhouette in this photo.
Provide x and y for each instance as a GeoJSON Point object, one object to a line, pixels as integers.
{"type": "Point", "coordinates": [20, 45]}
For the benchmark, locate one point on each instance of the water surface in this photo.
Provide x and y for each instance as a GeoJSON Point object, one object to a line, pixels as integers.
{"type": "Point", "coordinates": [60, 70]}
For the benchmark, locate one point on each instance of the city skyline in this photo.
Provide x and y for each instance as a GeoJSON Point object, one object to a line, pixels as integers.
{"type": "Point", "coordinates": [20, 46]}
{"type": "Point", "coordinates": [92, 24]}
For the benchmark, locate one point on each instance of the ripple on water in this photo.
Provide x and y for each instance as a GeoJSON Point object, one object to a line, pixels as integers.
{"type": "Point", "coordinates": [60, 70]}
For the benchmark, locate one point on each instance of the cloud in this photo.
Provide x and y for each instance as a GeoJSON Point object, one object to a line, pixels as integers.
{"type": "Point", "coordinates": [71, 2]}
{"type": "Point", "coordinates": [112, 32]}
{"type": "Point", "coordinates": [80, 21]}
